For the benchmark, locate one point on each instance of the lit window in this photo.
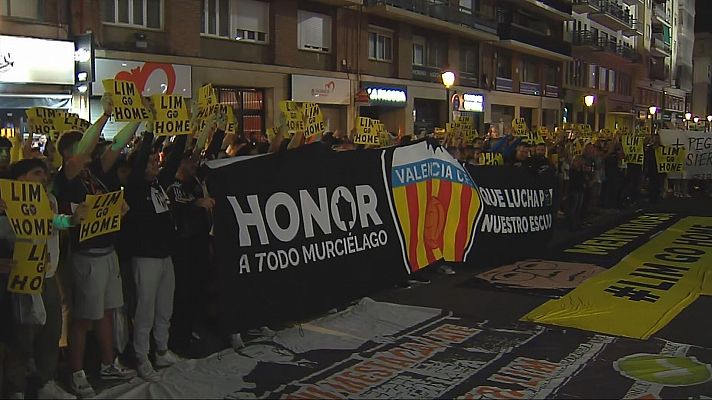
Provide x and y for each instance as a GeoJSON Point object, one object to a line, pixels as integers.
{"type": "Point", "coordinates": [380, 45]}
{"type": "Point", "coordinates": [141, 13]}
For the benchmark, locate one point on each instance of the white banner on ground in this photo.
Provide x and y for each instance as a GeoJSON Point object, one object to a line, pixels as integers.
{"type": "Point", "coordinates": [698, 144]}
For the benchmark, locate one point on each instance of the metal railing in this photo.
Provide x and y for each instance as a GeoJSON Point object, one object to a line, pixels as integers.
{"type": "Point", "coordinates": [443, 11]}
{"type": "Point", "coordinates": [617, 11]}
{"type": "Point", "coordinates": [504, 84]}
{"type": "Point", "coordinates": [660, 43]}
{"type": "Point", "coordinates": [587, 38]}
{"type": "Point", "coordinates": [509, 31]}
{"type": "Point", "coordinates": [559, 5]}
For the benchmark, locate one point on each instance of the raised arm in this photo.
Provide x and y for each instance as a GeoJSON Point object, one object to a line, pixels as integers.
{"type": "Point", "coordinates": [119, 143]}
{"type": "Point", "coordinates": [91, 135]}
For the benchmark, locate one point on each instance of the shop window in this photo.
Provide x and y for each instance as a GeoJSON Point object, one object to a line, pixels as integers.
{"type": "Point", "coordinates": [314, 31]}
{"type": "Point", "coordinates": [141, 13]}
{"type": "Point", "coordinates": [29, 9]}
{"type": "Point", "coordinates": [418, 50]}
{"type": "Point", "coordinates": [380, 44]}
{"type": "Point", "coordinates": [243, 20]}
{"type": "Point", "coordinates": [249, 108]}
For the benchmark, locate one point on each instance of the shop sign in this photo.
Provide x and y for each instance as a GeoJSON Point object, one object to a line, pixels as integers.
{"type": "Point", "coordinates": [31, 60]}
{"type": "Point", "coordinates": [314, 89]}
{"type": "Point", "coordinates": [150, 78]}
{"type": "Point", "coordinates": [387, 95]}
{"type": "Point", "coordinates": [468, 102]}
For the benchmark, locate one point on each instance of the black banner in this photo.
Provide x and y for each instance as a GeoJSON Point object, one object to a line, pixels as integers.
{"type": "Point", "coordinates": [306, 230]}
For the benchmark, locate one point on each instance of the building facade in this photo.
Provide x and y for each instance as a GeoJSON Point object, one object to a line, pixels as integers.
{"type": "Point", "coordinates": [534, 59]}
{"type": "Point", "coordinates": [702, 76]}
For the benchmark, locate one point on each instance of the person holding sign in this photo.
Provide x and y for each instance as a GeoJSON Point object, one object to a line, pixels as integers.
{"type": "Point", "coordinates": [95, 266]}
{"type": "Point", "coordinates": [40, 342]}
{"type": "Point", "coordinates": [151, 233]}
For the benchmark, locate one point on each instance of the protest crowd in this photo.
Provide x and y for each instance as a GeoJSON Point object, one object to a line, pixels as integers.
{"type": "Point", "coordinates": [143, 294]}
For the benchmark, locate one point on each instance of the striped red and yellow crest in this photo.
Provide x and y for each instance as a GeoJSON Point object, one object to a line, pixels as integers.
{"type": "Point", "coordinates": [436, 204]}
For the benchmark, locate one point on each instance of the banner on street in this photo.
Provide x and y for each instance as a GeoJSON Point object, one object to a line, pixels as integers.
{"type": "Point", "coordinates": [698, 149]}
{"type": "Point", "coordinates": [306, 241]}
{"type": "Point", "coordinates": [645, 290]}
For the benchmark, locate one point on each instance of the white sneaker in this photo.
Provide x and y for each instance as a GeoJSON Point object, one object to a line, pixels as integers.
{"type": "Point", "coordinates": [146, 371]}
{"type": "Point", "coordinates": [167, 359]}
{"type": "Point", "coordinates": [51, 390]}
{"type": "Point", "coordinates": [116, 371]}
{"type": "Point", "coordinates": [262, 331]}
{"type": "Point", "coordinates": [236, 341]}
{"type": "Point", "coordinates": [80, 385]}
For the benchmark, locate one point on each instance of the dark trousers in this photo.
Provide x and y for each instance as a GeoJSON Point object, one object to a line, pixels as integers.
{"type": "Point", "coordinates": [194, 274]}
{"type": "Point", "coordinates": [40, 342]}
{"type": "Point", "coordinates": [575, 203]}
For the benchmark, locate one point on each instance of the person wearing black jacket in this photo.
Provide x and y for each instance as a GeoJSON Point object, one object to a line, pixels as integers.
{"type": "Point", "coordinates": [151, 234]}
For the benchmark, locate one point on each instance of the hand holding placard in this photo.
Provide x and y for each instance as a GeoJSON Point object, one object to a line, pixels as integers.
{"type": "Point", "coordinates": [127, 101]}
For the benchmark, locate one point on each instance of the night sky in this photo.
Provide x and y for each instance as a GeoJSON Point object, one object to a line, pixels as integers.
{"type": "Point", "coordinates": [703, 17]}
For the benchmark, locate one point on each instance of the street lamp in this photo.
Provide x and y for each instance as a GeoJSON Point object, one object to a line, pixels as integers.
{"type": "Point", "coordinates": [688, 116]}
{"type": "Point", "coordinates": [709, 123]}
{"type": "Point", "coordinates": [448, 78]}
{"type": "Point", "coordinates": [588, 101]}
{"type": "Point", "coordinates": [652, 110]}
{"type": "Point", "coordinates": [697, 120]}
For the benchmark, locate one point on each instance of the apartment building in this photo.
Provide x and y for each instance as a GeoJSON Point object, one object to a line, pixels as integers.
{"type": "Point", "coordinates": [702, 77]}
{"type": "Point", "coordinates": [378, 58]}
{"type": "Point", "coordinates": [630, 55]}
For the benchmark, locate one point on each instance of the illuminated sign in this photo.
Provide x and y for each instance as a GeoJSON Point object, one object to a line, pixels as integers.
{"type": "Point", "coordinates": [473, 102]}
{"type": "Point", "coordinates": [387, 96]}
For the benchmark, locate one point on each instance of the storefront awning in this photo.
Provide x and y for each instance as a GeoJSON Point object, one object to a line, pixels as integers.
{"type": "Point", "coordinates": [25, 102]}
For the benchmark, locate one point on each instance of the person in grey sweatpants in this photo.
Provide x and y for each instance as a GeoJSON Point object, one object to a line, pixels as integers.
{"type": "Point", "coordinates": [150, 236]}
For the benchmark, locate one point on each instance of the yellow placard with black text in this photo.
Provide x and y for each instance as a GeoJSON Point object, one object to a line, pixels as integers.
{"type": "Point", "coordinates": [171, 115]}
{"type": "Point", "coordinates": [104, 215]}
{"type": "Point", "coordinates": [488, 158]}
{"type": "Point", "coordinates": [670, 159]}
{"type": "Point", "coordinates": [367, 132]}
{"type": "Point", "coordinates": [28, 209]}
{"type": "Point", "coordinates": [633, 148]}
{"type": "Point", "coordinates": [128, 104]}
{"type": "Point", "coordinates": [313, 120]}
{"type": "Point", "coordinates": [27, 276]}
{"type": "Point", "coordinates": [206, 96]}
{"type": "Point", "coordinates": [644, 291]}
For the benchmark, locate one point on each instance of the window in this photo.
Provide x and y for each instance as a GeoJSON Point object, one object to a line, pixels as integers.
{"type": "Point", "coordinates": [504, 66]}
{"type": "Point", "coordinates": [314, 31]}
{"type": "Point", "coordinates": [602, 80]}
{"type": "Point", "coordinates": [466, 6]}
{"type": "Point", "coordinates": [530, 72]}
{"type": "Point", "coordinates": [611, 80]}
{"type": "Point", "coordinates": [141, 13]}
{"type": "Point", "coordinates": [380, 44]}
{"type": "Point", "coordinates": [592, 72]}
{"type": "Point", "coordinates": [249, 108]}
{"type": "Point", "coordinates": [30, 9]}
{"type": "Point", "coordinates": [244, 20]}
{"type": "Point", "coordinates": [551, 78]}
{"type": "Point", "coordinates": [418, 50]}
{"type": "Point", "coordinates": [468, 60]}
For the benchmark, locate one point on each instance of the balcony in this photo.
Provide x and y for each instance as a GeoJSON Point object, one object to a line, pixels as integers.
{"type": "Point", "coordinates": [611, 50]}
{"type": "Point", "coordinates": [659, 47]}
{"type": "Point", "coordinates": [660, 15]}
{"type": "Point", "coordinates": [531, 42]}
{"type": "Point", "coordinates": [660, 72]}
{"type": "Point", "coordinates": [585, 6]}
{"type": "Point", "coordinates": [436, 14]}
{"type": "Point", "coordinates": [551, 91]}
{"type": "Point", "coordinates": [504, 84]}
{"type": "Point", "coordinates": [468, 79]}
{"type": "Point", "coordinates": [636, 29]}
{"type": "Point", "coordinates": [634, 2]}
{"type": "Point", "coordinates": [555, 9]}
{"type": "Point", "coordinates": [613, 15]}
{"type": "Point", "coordinates": [530, 88]}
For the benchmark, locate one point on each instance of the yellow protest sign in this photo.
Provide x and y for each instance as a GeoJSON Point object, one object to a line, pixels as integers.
{"type": "Point", "coordinates": [27, 208]}
{"type": "Point", "coordinates": [104, 215]}
{"type": "Point", "coordinates": [384, 138]}
{"type": "Point", "coordinates": [128, 105]}
{"type": "Point", "coordinates": [366, 132]}
{"type": "Point", "coordinates": [271, 134]}
{"type": "Point", "coordinates": [670, 159]}
{"type": "Point", "coordinates": [633, 149]}
{"type": "Point", "coordinates": [206, 96]}
{"type": "Point", "coordinates": [519, 127]}
{"type": "Point", "coordinates": [231, 126]}
{"type": "Point", "coordinates": [314, 120]}
{"type": "Point", "coordinates": [645, 290]}
{"type": "Point", "coordinates": [292, 116]}
{"type": "Point", "coordinates": [488, 158]}
{"type": "Point", "coordinates": [171, 115]}
{"type": "Point", "coordinates": [28, 273]}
